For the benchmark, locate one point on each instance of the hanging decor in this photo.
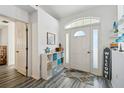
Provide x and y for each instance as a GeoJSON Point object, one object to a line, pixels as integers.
{"type": "Point", "coordinates": [51, 38]}
{"type": "Point", "coordinates": [114, 36]}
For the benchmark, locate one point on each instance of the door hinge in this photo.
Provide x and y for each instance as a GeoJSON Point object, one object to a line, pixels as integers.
{"type": "Point", "coordinates": [26, 48]}
{"type": "Point", "coordinates": [26, 29]}
{"type": "Point", "coordinates": [26, 67]}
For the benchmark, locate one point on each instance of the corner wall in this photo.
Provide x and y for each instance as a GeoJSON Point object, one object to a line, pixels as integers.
{"type": "Point", "coordinates": [11, 43]}
{"type": "Point", "coordinates": [46, 23]}
{"type": "Point", "coordinates": [8, 39]}
{"type": "Point", "coordinates": [42, 23]}
{"type": "Point", "coordinates": [34, 27]}
{"type": "Point", "coordinates": [4, 36]}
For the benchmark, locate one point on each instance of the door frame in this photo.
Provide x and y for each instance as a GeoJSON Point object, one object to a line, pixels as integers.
{"type": "Point", "coordinates": [91, 47]}
{"type": "Point", "coordinates": [27, 49]}
{"type": "Point", "coordinates": [72, 32]}
{"type": "Point", "coordinates": [28, 43]}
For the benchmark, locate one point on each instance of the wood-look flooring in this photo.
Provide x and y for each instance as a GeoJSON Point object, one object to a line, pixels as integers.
{"type": "Point", "coordinates": [10, 78]}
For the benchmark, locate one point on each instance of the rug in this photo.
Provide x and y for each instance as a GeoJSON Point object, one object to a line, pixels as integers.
{"type": "Point", "coordinates": [83, 77]}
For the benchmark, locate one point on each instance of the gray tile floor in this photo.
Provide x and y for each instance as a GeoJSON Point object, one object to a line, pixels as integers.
{"type": "Point", "coordinates": [10, 78]}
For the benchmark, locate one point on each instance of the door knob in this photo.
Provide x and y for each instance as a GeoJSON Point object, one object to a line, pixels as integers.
{"type": "Point", "coordinates": [17, 51]}
{"type": "Point", "coordinates": [88, 52]}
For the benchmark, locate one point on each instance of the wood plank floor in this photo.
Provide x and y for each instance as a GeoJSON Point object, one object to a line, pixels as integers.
{"type": "Point", "coordinates": [10, 78]}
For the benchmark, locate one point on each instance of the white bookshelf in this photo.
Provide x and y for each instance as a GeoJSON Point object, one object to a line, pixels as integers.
{"type": "Point", "coordinates": [51, 64]}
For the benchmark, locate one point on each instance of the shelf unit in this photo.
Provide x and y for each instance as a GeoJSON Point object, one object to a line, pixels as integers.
{"type": "Point", "coordinates": [51, 64]}
{"type": "Point", "coordinates": [120, 9]}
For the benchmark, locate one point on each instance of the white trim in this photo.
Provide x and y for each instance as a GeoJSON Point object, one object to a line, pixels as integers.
{"type": "Point", "coordinates": [83, 19]}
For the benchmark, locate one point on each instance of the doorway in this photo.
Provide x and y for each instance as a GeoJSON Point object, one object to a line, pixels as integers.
{"type": "Point", "coordinates": [7, 41]}
{"type": "Point", "coordinates": [82, 48]}
{"type": "Point", "coordinates": [14, 41]}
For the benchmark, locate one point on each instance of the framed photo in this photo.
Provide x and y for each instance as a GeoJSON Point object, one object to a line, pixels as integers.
{"type": "Point", "coordinates": [51, 38]}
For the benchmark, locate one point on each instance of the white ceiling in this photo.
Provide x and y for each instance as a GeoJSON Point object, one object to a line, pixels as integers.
{"type": "Point", "coordinates": [60, 11]}
{"type": "Point", "coordinates": [27, 8]}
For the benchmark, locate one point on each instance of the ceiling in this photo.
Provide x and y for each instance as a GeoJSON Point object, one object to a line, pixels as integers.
{"type": "Point", "coordinates": [27, 8]}
{"type": "Point", "coordinates": [60, 11]}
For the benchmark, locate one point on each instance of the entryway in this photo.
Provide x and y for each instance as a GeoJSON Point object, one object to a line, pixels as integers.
{"type": "Point", "coordinates": [82, 46]}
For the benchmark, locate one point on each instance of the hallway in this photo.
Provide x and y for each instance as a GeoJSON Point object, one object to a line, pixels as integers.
{"type": "Point", "coordinates": [9, 77]}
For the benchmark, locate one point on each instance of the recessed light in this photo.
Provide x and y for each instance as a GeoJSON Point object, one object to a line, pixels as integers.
{"type": "Point", "coordinates": [4, 21]}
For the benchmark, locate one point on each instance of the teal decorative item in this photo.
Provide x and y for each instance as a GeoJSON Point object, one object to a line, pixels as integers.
{"type": "Point", "coordinates": [47, 50]}
{"type": "Point", "coordinates": [120, 38]}
{"type": "Point", "coordinates": [59, 62]}
{"type": "Point", "coordinates": [54, 56]}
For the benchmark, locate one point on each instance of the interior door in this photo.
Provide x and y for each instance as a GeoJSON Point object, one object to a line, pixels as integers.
{"type": "Point", "coordinates": [20, 44]}
{"type": "Point", "coordinates": [80, 49]}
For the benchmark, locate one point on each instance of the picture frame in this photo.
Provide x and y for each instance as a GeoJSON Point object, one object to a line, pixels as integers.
{"type": "Point", "coordinates": [51, 38]}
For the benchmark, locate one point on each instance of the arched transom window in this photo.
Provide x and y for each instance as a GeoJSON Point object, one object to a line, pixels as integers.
{"type": "Point", "coordinates": [83, 22]}
{"type": "Point", "coordinates": [79, 34]}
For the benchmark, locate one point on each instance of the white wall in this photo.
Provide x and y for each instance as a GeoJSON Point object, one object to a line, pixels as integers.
{"type": "Point", "coordinates": [46, 23]}
{"type": "Point", "coordinates": [118, 58]}
{"type": "Point", "coordinates": [117, 69]}
{"type": "Point", "coordinates": [7, 36]}
{"type": "Point", "coordinates": [14, 12]}
{"type": "Point", "coordinates": [11, 43]}
{"type": "Point", "coordinates": [35, 63]}
{"type": "Point", "coordinates": [107, 15]}
{"type": "Point", "coordinates": [4, 36]}
{"type": "Point", "coordinates": [42, 23]}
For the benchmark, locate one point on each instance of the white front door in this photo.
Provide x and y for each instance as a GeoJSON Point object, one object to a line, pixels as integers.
{"type": "Point", "coordinates": [20, 44]}
{"type": "Point", "coordinates": [80, 49]}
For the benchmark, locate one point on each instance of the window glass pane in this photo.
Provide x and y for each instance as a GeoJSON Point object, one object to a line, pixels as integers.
{"type": "Point", "coordinates": [79, 33]}
{"type": "Point", "coordinates": [67, 47]}
{"type": "Point", "coordinates": [82, 22]}
{"type": "Point", "coordinates": [95, 48]}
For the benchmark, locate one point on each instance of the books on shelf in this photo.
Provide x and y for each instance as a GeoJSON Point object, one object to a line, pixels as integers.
{"type": "Point", "coordinates": [54, 56]}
